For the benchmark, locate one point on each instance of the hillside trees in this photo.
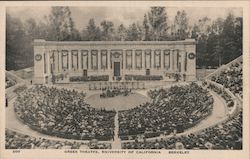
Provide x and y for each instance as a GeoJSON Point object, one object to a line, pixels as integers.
{"type": "Point", "coordinates": [180, 26]}
{"type": "Point", "coordinates": [158, 24]}
{"type": "Point", "coordinates": [218, 41]}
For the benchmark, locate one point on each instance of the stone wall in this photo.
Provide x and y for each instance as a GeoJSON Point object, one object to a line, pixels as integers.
{"type": "Point", "coordinates": [98, 57]}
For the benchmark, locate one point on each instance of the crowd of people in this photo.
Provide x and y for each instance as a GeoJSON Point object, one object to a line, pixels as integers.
{"type": "Point", "coordinates": [9, 82]}
{"type": "Point", "coordinates": [171, 110]}
{"type": "Point", "coordinates": [63, 113]}
{"type": "Point", "coordinates": [223, 136]}
{"type": "Point", "coordinates": [231, 78]}
{"type": "Point", "coordinates": [115, 92]}
{"type": "Point", "coordinates": [16, 140]}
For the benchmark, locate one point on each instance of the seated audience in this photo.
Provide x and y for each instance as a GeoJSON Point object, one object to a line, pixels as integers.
{"type": "Point", "coordinates": [9, 82]}
{"type": "Point", "coordinates": [16, 140]}
{"type": "Point", "coordinates": [231, 78]}
{"type": "Point", "coordinates": [63, 113]}
{"type": "Point", "coordinates": [115, 92]}
{"type": "Point", "coordinates": [172, 110]}
{"type": "Point", "coordinates": [223, 136]}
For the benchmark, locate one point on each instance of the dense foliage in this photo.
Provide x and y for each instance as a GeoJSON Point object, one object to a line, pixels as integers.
{"type": "Point", "coordinates": [143, 77]}
{"type": "Point", "coordinates": [218, 41]}
{"type": "Point", "coordinates": [89, 78]}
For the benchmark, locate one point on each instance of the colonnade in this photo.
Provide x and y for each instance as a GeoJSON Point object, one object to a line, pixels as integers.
{"type": "Point", "coordinates": [114, 58]}
{"type": "Point", "coordinates": [173, 60]}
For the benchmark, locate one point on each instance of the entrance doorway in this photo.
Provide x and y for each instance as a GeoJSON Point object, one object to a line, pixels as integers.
{"type": "Point", "coordinates": [117, 69]}
{"type": "Point", "coordinates": [147, 71]}
{"type": "Point", "coordinates": [85, 73]}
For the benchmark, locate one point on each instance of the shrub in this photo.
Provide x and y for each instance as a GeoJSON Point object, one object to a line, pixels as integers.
{"type": "Point", "coordinates": [143, 77]}
{"type": "Point", "coordinates": [89, 78]}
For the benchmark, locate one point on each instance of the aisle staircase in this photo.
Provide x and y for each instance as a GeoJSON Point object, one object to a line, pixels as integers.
{"type": "Point", "coordinates": [116, 144]}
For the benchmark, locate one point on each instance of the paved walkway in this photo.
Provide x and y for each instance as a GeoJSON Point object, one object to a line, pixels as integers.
{"type": "Point", "coordinates": [219, 114]}
{"type": "Point", "coordinates": [117, 141]}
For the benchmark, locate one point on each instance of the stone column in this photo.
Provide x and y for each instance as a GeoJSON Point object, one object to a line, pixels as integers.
{"type": "Point", "coordinates": [162, 59]}
{"type": "Point", "coordinates": [182, 52]}
{"type": "Point", "coordinates": [79, 60]}
{"type": "Point", "coordinates": [143, 59]}
{"type": "Point", "coordinates": [99, 59]}
{"type": "Point", "coordinates": [173, 60]}
{"type": "Point", "coordinates": [124, 59]}
{"type": "Point", "coordinates": [89, 60]}
{"type": "Point", "coordinates": [48, 62]}
{"type": "Point", "coordinates": [56, 60]}
{"type": "Point", "coordinates": [133, 59]}
{"type": "Point", "coordinates": [59, 61]}
{"type": "Point", "coordinates": [152, 58]}
{"type": "Point", "coordinates": [178, 56]}
{"type": "Point", "coordinates": [70, 60]}
{"type": "Point", "coordinates": [108, 58]}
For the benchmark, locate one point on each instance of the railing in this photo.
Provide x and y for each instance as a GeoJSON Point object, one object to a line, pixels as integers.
{"type": "Point", "coordinates": [234, 108]}
{"type": "Point", "coordinates": [10, 92]}
{"type": "Point", "coordinates": [13, 76]}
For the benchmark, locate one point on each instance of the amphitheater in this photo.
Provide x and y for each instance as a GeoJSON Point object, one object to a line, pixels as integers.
{"type": "Point", "coordinates": [139, 115]}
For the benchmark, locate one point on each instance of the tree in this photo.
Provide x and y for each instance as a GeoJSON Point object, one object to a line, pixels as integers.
{"type": "Point", "coordinates": [218, 41]}
{"type": "Point", "coordinates": [93, 32]}
{"type": "Point", "coordinates": [158, 23]}
{"type": "Point", "coordinates": [213, 50]}
{"type": "Point", "coordinates": [201, 51]}
{"type": "Point", "coordinates": [134, 33]}
{"type": "Point", "coordinates": [14, 43]}
{"type": "Point", "coordinates": [201, 31]}
{"type": "Point", "coordinates": [146, 28]}
{"type": "Point", "coordinates": [238, 35]}
{"type": "Point", "coordinates": [195, 32]}
{"type": "Point", "coordinates": [228, 36]}
{"type": "Point", "coordinates": [181, 25]}
{"type": "Point", "coordinates": [214, 42]}
{"type": "Point", "coordinates": [107, 32]}
{"type": "Point", "coordinates": [84, 35]}
{"type": "Point", "coordinates": [61, 24]}
{"type": "Point", "coordinates": [121, 33]}
{"type": "Point", "coordinates": [31, 32]}
{"type": "Point", "coordinates": [75, 35]}
{"type": "Point", "coordinates": [217, 26]}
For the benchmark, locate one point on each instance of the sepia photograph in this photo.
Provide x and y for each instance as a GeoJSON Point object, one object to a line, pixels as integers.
{"type": "Point", "coordinates": [120, 79]}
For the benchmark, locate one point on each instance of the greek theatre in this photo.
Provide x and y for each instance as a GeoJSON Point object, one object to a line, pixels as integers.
{"type": "Point", "coordinates": [116, 60]}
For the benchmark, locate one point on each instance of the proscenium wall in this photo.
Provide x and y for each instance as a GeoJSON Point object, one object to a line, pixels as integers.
{"type": "Point", "coordinates": [44, 49]}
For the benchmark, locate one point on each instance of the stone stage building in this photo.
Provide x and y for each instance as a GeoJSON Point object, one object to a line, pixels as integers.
{"type": "Point", "coordinates": [114, 59]}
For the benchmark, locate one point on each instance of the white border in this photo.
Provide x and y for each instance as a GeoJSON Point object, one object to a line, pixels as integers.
{"type": "Point", "coordinates": [199, 154]}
